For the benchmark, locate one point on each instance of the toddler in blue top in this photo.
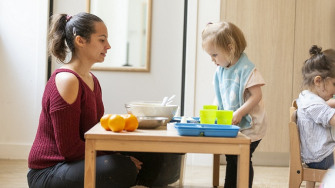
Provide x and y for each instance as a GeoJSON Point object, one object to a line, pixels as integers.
{"type": "Point", "coordinates": [315, 115]}
{"type": "Point", "coordinates": [237, 86]}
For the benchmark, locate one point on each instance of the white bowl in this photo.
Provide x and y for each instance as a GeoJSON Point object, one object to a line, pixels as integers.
{"type": "Point", "coordinates": [152, 109]}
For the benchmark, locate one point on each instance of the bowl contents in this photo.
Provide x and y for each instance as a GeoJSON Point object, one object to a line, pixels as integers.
{"type": "Point", "coordinates": [167, 100]}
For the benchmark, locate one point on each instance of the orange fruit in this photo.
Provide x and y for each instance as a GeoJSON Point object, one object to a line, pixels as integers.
{"type": "Point", "coordinates": [116, 123]}
{"type": "Point", "coordinates": [131, 122]}
{"type": "Point", "coordinates": [104, 121]}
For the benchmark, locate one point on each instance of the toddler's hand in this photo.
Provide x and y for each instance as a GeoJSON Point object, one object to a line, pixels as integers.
{"type": "Point", "coordinates": [236, 118]}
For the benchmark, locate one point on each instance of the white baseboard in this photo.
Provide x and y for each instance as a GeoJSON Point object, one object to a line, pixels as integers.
{"type": "Point", "coordinates": [14, 151]}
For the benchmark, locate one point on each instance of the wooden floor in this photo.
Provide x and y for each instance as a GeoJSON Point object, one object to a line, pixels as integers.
{"type": "Point", "coordinates": [13, 175]}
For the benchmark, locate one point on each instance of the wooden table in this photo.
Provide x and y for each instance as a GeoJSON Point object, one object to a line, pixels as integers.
{"type": "Point", "coordinates": [167, 141]}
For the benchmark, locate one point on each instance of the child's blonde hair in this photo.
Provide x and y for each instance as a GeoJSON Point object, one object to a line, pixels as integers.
{"type": "Point", "coordinates": [226, 36]}
{"type": "Point", "coordinates": [321, 63]}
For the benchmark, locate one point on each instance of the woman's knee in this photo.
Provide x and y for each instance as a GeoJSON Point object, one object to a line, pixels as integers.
{"type": "Point", "coordinates": [116, 168]}
{"type": "Point", "coordinates": [159, 169]}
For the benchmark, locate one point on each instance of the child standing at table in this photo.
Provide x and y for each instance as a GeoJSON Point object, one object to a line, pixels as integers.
{"type": "Point", "coordinates": [315, 116]}
{"type": "Point", "coordinates": [237, 87]}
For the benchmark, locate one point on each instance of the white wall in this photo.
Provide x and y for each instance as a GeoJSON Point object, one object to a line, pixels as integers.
{"type": "Point", "coordinates": [199, 89]}
{"type": "Point", "coordinates": [23, 30]}
{"type": "Point", "coordinates": [23, 72]}
{"type": "Point", "coordinates": [200, 69]}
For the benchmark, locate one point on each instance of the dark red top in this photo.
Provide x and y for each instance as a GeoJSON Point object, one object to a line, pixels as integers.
{"type": "Point", "coordinates": [60, 133]}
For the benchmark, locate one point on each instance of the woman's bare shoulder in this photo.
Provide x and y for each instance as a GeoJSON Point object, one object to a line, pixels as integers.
{"type": "Point", "coordinates": [67, 85]}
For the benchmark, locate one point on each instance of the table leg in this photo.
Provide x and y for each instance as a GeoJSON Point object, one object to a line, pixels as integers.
{"type": "Point", "coordinates": [216, 170]}
{"type": "Point", "coordinates": [182, 170]}
{"type": "Point", "coordinates": [243, 167]}
{"type": "Point", "coordinates": [90, 164]}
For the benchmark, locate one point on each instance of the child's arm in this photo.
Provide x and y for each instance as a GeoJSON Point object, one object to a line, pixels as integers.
{"type": "Point", "coordinates": [331, 103]}
{"type": "Point", "coordinates": [332, 121]}
{"type": "Point", "coordinates": [332, 126]}
{"type": "Point", "coordinates": [253, 100]}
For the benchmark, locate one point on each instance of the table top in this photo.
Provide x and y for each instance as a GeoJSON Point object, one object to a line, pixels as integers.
{"type": "Point", "coordinates": [160, 134]}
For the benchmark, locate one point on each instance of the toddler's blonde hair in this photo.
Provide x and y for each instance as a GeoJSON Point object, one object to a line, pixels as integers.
{"type": "Point", "coordinates": [224, 34]}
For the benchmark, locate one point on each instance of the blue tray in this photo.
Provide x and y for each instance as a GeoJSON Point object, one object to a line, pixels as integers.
{"type": "Point", "coordinates": [211, 130]}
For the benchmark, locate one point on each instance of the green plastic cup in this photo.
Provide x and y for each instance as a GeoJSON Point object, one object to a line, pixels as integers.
{"type": "Point", "coordinates": [224, 117]}
{"type": "Point", "coordinates": [210, 107]}
{"type": "Point", "coordinates": [207, 116]}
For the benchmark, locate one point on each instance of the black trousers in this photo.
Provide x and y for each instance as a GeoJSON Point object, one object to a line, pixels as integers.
{"type": "Point", "coordinates": [231, 168]}
{"type": "Point", "coordinates": [114, 170]}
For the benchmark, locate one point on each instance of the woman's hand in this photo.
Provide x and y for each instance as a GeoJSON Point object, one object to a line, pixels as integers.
{"type": "Point", "coordinates": [137, 163]}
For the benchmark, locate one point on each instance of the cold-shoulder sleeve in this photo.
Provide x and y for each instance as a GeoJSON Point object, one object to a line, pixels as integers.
{"type": "Point", "coordinates": [66, 125]}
